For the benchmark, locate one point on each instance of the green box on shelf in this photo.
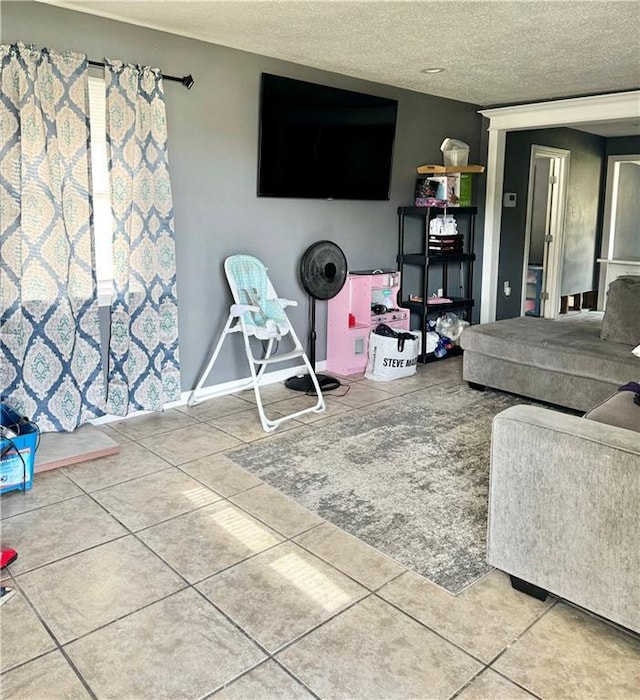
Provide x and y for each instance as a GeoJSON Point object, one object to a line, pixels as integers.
{"type": "Point", "coordinates": [464, 193]}
{"type": "Point", "coordinates": [458, 191]}
{"type": "Point", "coordinates": [452, 190]}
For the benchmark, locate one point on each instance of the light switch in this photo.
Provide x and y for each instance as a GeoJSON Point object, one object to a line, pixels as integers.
{"type": "Point", "coordinates": [509, 199]}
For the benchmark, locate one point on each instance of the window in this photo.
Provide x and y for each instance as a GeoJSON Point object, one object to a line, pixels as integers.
{"type": "Point", "coordinates": [102, 219]}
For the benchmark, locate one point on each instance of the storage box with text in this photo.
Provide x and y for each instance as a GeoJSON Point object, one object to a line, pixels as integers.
{"type": "Point", "coordinates": [17, 450]}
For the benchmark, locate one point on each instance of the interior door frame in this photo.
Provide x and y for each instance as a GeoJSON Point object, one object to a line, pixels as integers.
{"type": "Point", "coordinates": [552, 273]}
{"type": "Point", "coordinates": [610, 211]}
{"type": "Point", "coordinates": [539, 115]}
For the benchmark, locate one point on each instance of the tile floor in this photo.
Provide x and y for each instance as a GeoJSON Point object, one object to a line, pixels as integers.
{"type": "Point", "coordinates": [168, 572]}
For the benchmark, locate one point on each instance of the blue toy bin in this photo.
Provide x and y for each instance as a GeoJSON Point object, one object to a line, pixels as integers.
{"type": "Point", "coordinates": [18, 453]}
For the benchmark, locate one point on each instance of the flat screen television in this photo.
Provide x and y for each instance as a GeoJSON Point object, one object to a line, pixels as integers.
{"type": "Point", "coordinates": [322, 142]}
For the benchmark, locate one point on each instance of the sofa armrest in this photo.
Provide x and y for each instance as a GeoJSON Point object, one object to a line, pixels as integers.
{"type": "Point", "coordinates": [564, 508]}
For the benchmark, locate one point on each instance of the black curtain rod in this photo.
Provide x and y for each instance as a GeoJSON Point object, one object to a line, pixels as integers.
{"type": "Point", "coordinates": [187, 80]}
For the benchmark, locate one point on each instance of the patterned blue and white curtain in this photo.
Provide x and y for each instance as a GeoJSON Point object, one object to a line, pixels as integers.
{"type": "Point", "coordinates": [50, 360]}
{"type": "Point", "coordinates": [143, 352]}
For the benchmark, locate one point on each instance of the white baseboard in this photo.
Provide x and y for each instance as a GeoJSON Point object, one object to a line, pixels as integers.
{"type": "Point", "coordinates": [223, 389]}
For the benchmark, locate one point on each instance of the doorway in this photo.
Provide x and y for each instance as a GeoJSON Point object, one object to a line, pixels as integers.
{"type": "Point", "coordinates": [620, 252]}
{"type": "Point", "coordinates": [544, 231]}
{"type": "Point", "coordinates": [617, 108]}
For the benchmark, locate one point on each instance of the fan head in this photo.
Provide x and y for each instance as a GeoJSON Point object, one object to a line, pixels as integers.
{"type": "Point", "coordinates": [323, 270]}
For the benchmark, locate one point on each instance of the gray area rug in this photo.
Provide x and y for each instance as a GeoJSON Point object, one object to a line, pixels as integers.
{"type": "Point", "coordinates": [409, 477]}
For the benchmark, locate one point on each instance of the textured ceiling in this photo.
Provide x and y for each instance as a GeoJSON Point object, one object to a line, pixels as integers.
{"type": "Point", "coordinates": [494, 52]}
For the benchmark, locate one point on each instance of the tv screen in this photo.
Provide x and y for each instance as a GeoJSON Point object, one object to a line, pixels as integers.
{"type": "Point", "coordinates": [322, 142]}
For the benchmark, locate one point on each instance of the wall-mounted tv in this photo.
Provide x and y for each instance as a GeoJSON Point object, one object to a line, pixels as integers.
{"type": "Point", "coordinates": [322, 142]}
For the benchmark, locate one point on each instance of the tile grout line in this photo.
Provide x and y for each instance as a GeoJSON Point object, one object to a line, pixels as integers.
{"type": "Point", "coordinates": [235, 624]}
{"type": "Point", "coordinates": [265, 523]}
{"type": "Point", "coordinates": [124, 481]}
{"type": "Point", "coordinates": [84, 635]}
{"type": "Point", "coordinates": [524, 631]}
{"type": "Point", "coordinates": [516, 683]}
{"type": "Point", "coordinates": [228, 496]}
{"type": "Point", "coordinates": [344, 573]}
{"type": "Point", "coordinates": [616, 625]}
{"type": "Point", "coordinates": [485, 664]}
{"type": "Point", "coordinates": [287, 539]}
{"type": "Point", "coordinates": [85, 492]}
{"type": "Point", "coordinates": [286, 645]}
{"type": "Point", "coordinates": [28, 661]}
{"type": "Point", "coordinates": [76, 670]}
{"type": "Point", "coordinates": [468, 683]}
{"type": "Point", "coordinates": [25, 492]}
{"type": "Point", "coordinates": [197, 421]}
{"type": "Point", "coordinates": [438, 634]}
{"type": "Point", "coordinates": [231, 681]}
{"type": "Point", "coordinates": [391, 580]}
{"type": "Point", "coordinates": [6, 518]}
{"type": "Point", "coordinates": [187, 586]}
{"type": "Point", "coordinates": [251, 556]}
{"type": "Point", "coordinates": [130, 532]}
{"type": "Point", "coordinates": [290, 673]}
{"type": "Point", "coordinates": [209, 454]}
{"type": "Point", "coordinates": [73, 554]}
{"type": "Point", "coordinates": [269, 655]}
{"type": "Point", "coordinates": [55, 639]}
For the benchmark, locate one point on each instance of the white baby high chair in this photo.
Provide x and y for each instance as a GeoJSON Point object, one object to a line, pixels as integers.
{"type": "Point", "coordinates": [258, 312]}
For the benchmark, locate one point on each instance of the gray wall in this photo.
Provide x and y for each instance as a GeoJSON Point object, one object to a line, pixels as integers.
{"type": "Point", "coordinates": [582, 214]}
{"type": "Point", "coordinates": [627, 227]}
{"type": "Point", "coordinates": [623, 145]}
{"type": "Point", "coordinates": [213, 142]}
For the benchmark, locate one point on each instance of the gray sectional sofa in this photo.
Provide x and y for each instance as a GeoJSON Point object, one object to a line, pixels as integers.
{"type": "Point", "coordinates": [564, 494]}
{"type": "Point", "coordinates": [564, 506]}
{"type": "Point", "coordinates": [572, 362]}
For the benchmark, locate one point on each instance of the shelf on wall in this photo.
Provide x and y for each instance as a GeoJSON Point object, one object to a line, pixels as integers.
{"type": "Point", "coordinates": [447, 169]}
{"type": "Point", "coordinates": [431, 357]}
{"type": "Point", "coordinates": [431, 305]}
{"type": "Point", "coordinates": [421, 308]}
{"type": "Point", "coordinates": [420, 259]}
{"type": "Point", "coordinates": [424, 211]}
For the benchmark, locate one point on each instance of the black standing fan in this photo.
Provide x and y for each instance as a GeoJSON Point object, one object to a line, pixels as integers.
{"type": "Point", "coordinates": [323, 272]}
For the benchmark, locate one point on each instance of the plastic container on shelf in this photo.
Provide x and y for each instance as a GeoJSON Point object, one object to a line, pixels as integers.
{"type": "Point", "coordinates": [455, 153]}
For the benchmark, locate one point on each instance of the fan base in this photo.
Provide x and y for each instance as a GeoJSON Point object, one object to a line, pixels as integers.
{"type": "Point", "coordinates": [304, 383]}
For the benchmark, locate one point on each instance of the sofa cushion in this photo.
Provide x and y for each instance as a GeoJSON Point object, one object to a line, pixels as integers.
{"type": "Point", "coordinates": [571, 346]}
{"type": "Point", "coordinates": [621, 323]}
{"type": "Point", "coordinates": [619, 410]}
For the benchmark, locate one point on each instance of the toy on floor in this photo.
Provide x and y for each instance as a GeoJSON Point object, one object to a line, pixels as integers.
{"type": "Point", "coordinates": [8, 556]}
{"type": "Point", "coordinates": [5, 594]}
